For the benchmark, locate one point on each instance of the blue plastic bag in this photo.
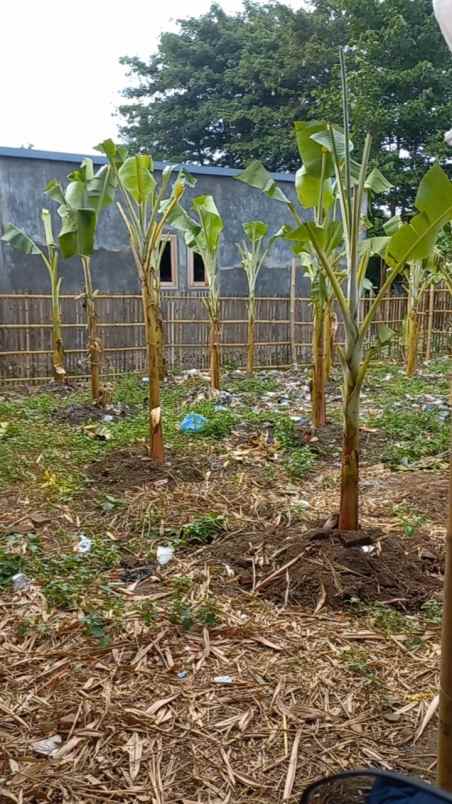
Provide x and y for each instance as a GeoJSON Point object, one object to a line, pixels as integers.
{"type": "Point", "coordinates": [193, 423]}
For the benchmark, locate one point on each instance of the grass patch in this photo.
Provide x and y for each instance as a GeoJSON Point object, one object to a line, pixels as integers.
{"type": "Point", "coordinates": [412, 435]}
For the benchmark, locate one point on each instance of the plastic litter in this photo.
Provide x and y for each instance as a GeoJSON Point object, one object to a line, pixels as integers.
{"type": "Point", "coordinates": [193, 423]}
{"type": "Point", "coordinates": [108, 418]}
{"type": "Point", "coordinates": [164, 554]}
{"type": "Point", "coordinates": [84, 544]}
{"type": "Point", "coordinates": [183, 675]}
{"type": "Point", "coordinates": [20, 582]}
{"type": "Point", "coordinates": [49, 746]}
{"type": "Point", "coordinates": [368, 548]}
{"type": "Point", "coordinates": [220, 408]}
{"type": "Point", "coordinates": [223, 680]}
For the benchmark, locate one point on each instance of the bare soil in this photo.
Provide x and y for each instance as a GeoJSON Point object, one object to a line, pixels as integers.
{"type": "Point", "coordinates": [132, 467]}
{"type": "Point", "coordinates": [334, 569]}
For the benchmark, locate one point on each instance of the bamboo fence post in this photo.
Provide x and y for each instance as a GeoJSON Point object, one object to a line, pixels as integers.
{"type": "Point", "coordinates": [292, 305]}
{"type": "Point", "coordinates": [445, 693]}
{"type": "Point", "coordinates": [431, 303]}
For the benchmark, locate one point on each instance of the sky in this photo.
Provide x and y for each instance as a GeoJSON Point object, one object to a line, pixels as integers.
{"type": "Point", "coordinates": [59, 62]}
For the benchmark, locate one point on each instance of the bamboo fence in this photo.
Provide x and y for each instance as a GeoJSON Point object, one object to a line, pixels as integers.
{"type": "Point", "coordinates": [283, 331]}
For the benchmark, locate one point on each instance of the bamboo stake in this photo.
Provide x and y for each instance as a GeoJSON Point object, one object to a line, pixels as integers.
{"type": "Point", "coordinates": [445, 697]}
{"type": "Point", "coordinates": [293, 282]}
{"type": "Point", "coordinates": [431, 304]}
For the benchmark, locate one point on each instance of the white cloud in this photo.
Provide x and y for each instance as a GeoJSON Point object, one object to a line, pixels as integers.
{"type": "Point", "coordinates": [59, 65]}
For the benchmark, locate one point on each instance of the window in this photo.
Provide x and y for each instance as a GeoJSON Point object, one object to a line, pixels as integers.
{"type": "Point", "coordinates": [196, 270]}
{"type": "Point", "coordinates": [168, 263]}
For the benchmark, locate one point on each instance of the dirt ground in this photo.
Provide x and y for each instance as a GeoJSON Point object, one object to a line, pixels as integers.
{"type": "Point", "coordinates": [266, 653]}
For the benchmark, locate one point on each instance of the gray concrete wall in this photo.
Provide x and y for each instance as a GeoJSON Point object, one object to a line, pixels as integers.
{"type": "Point", "coordinates": [23, 176]}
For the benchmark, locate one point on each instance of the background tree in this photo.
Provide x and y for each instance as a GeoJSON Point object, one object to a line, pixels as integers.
{"type": "Point", "coordinates": [225, 89]}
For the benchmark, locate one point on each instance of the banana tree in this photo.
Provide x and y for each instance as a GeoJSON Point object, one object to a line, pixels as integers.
{"type": "Point", "coordinates": [146, 208]}
{"type": "Point", "coordinates": [418, 278]}
{"type": "Point", "coordinates": [203, 236]}
{"type": "Point", "coordinates": [253, 253]}
{"type": "Point", "coordinates": [19, 240]}
{"type": "Point", "coordinates": [412, 241]}
{"type": "Point", "coordinates": [80, 206]}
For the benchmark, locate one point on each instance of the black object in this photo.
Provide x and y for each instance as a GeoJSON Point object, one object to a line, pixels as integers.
{"type": "Point", "coordinates": [372, 787]}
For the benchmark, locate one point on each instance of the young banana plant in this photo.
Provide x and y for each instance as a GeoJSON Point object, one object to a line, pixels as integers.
{"type": "Point", "coordinates": [418, 278]}
{"type": "Point", "coordinates": [203, 236]}
{"type": "Point", "coordinates": [80, 206]}
{"type": "Point", "coordinates": [19, 240]}
{"type": "Point", "coordinates": [146, 209]}
{"type": "Point", "coordinates": [253, 253]}
{"type": "Point", "coordinates": [412, 241]}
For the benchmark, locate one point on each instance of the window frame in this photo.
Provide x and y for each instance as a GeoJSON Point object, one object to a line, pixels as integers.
{"type": "Point", "coordinates": [191, 273]}
{"type": "Point", "coordinates": [174, 284]}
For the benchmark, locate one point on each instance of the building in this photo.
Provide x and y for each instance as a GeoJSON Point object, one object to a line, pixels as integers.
{"type": "Point", "coordinates": [24, 173]}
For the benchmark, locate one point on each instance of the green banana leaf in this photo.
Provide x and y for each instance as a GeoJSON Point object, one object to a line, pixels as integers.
{"type": "Point", "coordinates": [255, 230]}
{"type": "Point", "coordinates": [415, 240]}
{"type": "Point", "coordinates": [135, 174]}
{"type": "Point", "coordinates": [377, 183]}
{"type": "Point", "coordinates": [77, 233]}
{"type": "Point", "coordinates": [256, 175]}
{"type": "Point", "coordinates": [19, 240]}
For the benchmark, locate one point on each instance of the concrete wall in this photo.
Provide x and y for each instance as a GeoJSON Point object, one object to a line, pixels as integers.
{"type": "Point", "coordinates": [24, 174]}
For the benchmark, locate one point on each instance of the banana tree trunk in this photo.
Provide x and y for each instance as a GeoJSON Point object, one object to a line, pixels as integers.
{"type": "Point", "coordinates": [328, 331]}
{"type": "Point", "coordinates": [251, 331]}
{"type": "Point", "coordinates": [348, 513]}
{"type": "Point", "coordinates": [445, 697]}
{"type": "Point", "coordinates": [94, 342]}
{"type": "Point", "coordinates": [161, 340]}
{"type": "Point", "coordinates": [59, 372]}
{"type": "Point", "coordinates": [152, 320]}
{"type": "Point", "coordinates": [318, 369]}
{"type": "Point", "coordinates": [412, 332]}
{"type": "Point", "coordinates": [215, 352]}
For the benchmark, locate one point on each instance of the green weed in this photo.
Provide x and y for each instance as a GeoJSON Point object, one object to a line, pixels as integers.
{"type": "Point", "coordinates": [202, 530]}
{"type": "Point", "coordinates": [432, 611]}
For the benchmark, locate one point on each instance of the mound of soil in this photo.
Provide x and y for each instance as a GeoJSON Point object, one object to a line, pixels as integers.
{"type": "Point", "coordinates": [337, 569]}
{"type": "Point", "coordinates": [129, 468]}
{"type": "Point", "coordinates": [79, 414]}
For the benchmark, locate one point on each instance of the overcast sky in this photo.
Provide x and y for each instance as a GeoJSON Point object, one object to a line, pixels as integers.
{"type": "Point", "coordinates": [59, 65]}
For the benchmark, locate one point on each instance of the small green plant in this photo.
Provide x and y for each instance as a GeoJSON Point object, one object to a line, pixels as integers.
{"type": "Point", "coordinates": [148, 612]}
{"type": "Point", "coordinates": [432, 611]}
{"type": "Point", "coordinates": [300, 462]}
{"type": "Point", "coordinates": [181, 613]}
{"type": "Point", "coordinates": [96, 627]}
{"type": "Point", "coordinates": [202, 530]}
{"type": "Point", "coordinates": [357, 661]}
{"type": "Point", "coordinates": [410, 520]}
{"type": "Point", "coordinates": [181, 584]}
{"type": "Point", "coordinates": [207, 613]}
{"type": "Point", "coordinates": [60, 594]}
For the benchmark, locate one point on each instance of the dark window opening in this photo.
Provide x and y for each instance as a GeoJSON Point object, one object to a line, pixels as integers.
{"type": "Point", "coordinates": [166, 264]}
{"type": "Point", "coordinates": [199, 269]}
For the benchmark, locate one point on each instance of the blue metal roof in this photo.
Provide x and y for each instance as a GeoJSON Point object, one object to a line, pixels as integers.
{"type": "Point", "coordinates": [57, 156]}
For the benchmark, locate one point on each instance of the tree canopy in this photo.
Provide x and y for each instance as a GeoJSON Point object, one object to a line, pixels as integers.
{"type": "Point", "coordinates": [226, 88]}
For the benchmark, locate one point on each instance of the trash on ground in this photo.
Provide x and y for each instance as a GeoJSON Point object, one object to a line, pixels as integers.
{"type": "Point", "coordinates": [20, 582]}
{"type": "Point", "coordinates": [108, 418]}
{"type": "Point", "coordinates": [49, 746]}
{"type": "Point", "coordinates": [84, 544]}
{"type": "Point", "coordinates": [193, 423]}
{"type": "Point", "coordinates": [223, 680]}
{"type": "Point", "coordinates": [164, 554]}
{"type": "Point", "coordinates": [183, 675]}
{"type": "Point", "coordinates": [145, 380]}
